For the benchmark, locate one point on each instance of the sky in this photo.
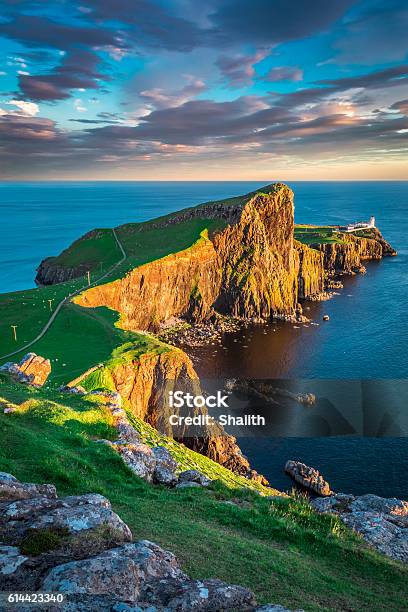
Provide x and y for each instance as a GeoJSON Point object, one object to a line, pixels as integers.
{"type": "Point", "coordinates": [203, 89]}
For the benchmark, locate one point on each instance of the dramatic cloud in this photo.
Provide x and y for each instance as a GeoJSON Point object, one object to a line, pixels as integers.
{"type": "Point", "coordinates": [284, 73]}
{"type": "Point", "coordinates": [76, 71]}
{"type": "Point", "coordinates": [149, 23]}
{"type": "Point", "coordinates": [41, 31]}
{"type": "Point", "coordinates": [272, 21]}
{"type": "Point", "coordinates": [161, 58]}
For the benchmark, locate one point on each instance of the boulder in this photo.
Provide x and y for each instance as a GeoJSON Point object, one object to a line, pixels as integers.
{"type": "Point", "coordinates": [33, 370]}
{"type": "Point", "coordinates": [10, 559]}
{"type": "Point", "coordinates": [308, 477]}
{"type": "Point", "coordinates": [373, 503]}
{"type": "Point", "coordinates": [11, 488]}
{"type": "Point", "coordinates": [127, 572]}
{"type": "Point", "coordinates": [165, 471]}
{"type": "Point", "coordinates": [127, 433]}
{"type": "Point", "coordinates": [382, 522]}
{"type": "Point", "coordinates": [139, 458]}
{"type": "Point", "coordinates": [193, 476]}
{"type": "Point", "coordinates": [144, 574]}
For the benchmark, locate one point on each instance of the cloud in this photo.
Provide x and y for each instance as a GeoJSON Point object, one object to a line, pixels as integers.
{"type": "Point", "coordinates": [148, 23]}
{"type": "Point", "coordinates": [266, 21]}
{"type": "Point", "coordinates": [43, 32]}
{"type": "Point", "coordinates": [373, 80]}
{"type": "Point", "coordinates": [160, 98]}
{"type": "Point", "coordinates": [377, 34]}
{"type": "Point", "coordinates": [401, 106]}
{"type": "Point", "coordinates": [284, 73]}
{"type": "Point", "coordinates": [76, 71]}
{"type": "Point", "coordinates": [25, 109]}
{"type": "Point", "coordinates": [239, 69]}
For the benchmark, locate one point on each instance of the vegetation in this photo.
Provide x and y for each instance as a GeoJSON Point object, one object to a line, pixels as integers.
{"type": "Point", "coordinates": [279, 548]}
{"type": "Point", "coordinates": [97, 250]}
{"type": "Point", "coordinates": [318, 234]}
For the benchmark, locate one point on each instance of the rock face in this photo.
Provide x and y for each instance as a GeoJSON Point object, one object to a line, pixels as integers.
{"type": "Point", "coordinates": [382, 522]}
{"type": "Point", "coordinates": [52, 271]}
{"type": "Point", "coordinates": [79, 547]}
{"type": "Point", "coordinates": [32, 370]}
{"type": "Point", "coordinates": [308, 477]}
{"type": "Point", "coordinates": [348, 258]}
{"type": "Point", "coordinates": [145, 382]}
{"type": "Point", "coordinates": [250, 270]}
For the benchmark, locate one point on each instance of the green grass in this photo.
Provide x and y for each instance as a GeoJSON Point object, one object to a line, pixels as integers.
{"type": "Point", "coordinates": [97, 250]}
{"type": "Point", "coordinates": [318, 234]}
{"type": "Point", "coordinates": [281, 549]}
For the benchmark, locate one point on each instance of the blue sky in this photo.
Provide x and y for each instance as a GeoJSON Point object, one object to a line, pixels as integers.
{"type": "Point", "coordinates": [216, 89]}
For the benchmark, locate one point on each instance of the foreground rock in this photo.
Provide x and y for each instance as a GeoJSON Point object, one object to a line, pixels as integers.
{"type": "Point", "coordinates": [308, 477]}
{"type": "Point", "coordinates": [79, 547]}
{"type": "Point", "coordinates": [32, 370]}
{"type": "Point", "coordinates": [382, 522]}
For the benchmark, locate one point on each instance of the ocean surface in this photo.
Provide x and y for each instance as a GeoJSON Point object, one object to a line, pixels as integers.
{"type": "Point", "coordinates": [365, 339]}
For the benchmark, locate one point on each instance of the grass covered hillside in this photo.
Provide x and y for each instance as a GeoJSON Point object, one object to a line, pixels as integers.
{"type": "Point", "coordinates": [318, 234]}
{"type": "Point", "coordinates": [278, 547]}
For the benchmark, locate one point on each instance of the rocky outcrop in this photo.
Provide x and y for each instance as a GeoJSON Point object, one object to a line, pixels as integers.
{"type": "Point", "coordinates": [32, 370]}
{"type": "Point", "coordinates": [77, 546]}
{"type": "Point", "coordinates": [347, 257]}
{"type": "Point", "coordinates": [250, 270]}
{"type": "Point", "coordinates": [53, 270]}
{"type": "Point", "coordinates": [308, 477]}
{"type": "Point", "coordinates": [145, 383]}
{"type": "Point", "coordinates": [49, 272]}
{"type": "Point", "coordinates": [310, 271]}
{"type": "Point", "coordinates": [382, 522]}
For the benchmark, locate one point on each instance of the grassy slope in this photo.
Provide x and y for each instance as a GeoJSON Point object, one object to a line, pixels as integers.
{"type": "Point", "coordinates": [283, 551]}
{"type": "Point", "coordinates": [316, 234]}
{"type": "Point", "coordinates": [97, 250]}
{"type": "Point", "coordinates": [65, 339]}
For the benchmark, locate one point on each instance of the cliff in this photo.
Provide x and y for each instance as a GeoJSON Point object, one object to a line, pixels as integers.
{"type": "Point", "coordinates": [251, 270]}
{"type": "Point", "coordinates": [347, 257]}
{"type": "Point", "coordinates": [145, 381]}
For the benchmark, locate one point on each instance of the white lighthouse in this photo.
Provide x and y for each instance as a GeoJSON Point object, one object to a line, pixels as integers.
{"type": "Point", "coordinates": [372, 222]}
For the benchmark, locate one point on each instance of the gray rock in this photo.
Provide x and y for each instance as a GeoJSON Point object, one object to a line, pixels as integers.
{"type": "Point", "coordinates": [211, 595]}
{"type": "Point", "coordinates": [164, 458]}
{"type": "Point", "coordinates": [83, 518]}
{"type": "Point", "coordinates": [139, 458]}
{"type": "Point", "coordinates": [188, 485]}
{"type": "Point", "coordinates": [13, 489]}
{"type": "Point", "coordinates": [5, 477]}
{"type": "Point", "coordinates": [127, 573]}
{"type": "Point", "coordinates": [194, 476]}
{"type": "Point", "coordinates": [308, 477]}
{"type": "Point", "coordinates": [384, 535]}
{"type": "Point", "coordinates": [373, 503]}
{"type": "Point", "coordinates": [165, 471]}
{"type": "Point", "coordinates": [382, 522]}
{"type": "Point", "coordinates": [273, 608]}
{"type": "Point", "coordinates": [164, 476]}
{"type": "Point", "coordinates": [10, 559]}
{"type": "Point", "coordinates": [127, 433]}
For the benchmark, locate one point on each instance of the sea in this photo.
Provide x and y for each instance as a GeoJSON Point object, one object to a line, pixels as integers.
{"type": "Point", "coordinates": [356, 363]}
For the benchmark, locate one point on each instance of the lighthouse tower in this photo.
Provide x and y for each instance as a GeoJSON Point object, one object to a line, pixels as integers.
{"type": "Point", "coordinates": [372, 222]}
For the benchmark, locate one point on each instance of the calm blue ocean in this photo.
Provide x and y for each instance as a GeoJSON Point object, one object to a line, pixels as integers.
{"type": "Point", "coordinates": [365, 339]}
